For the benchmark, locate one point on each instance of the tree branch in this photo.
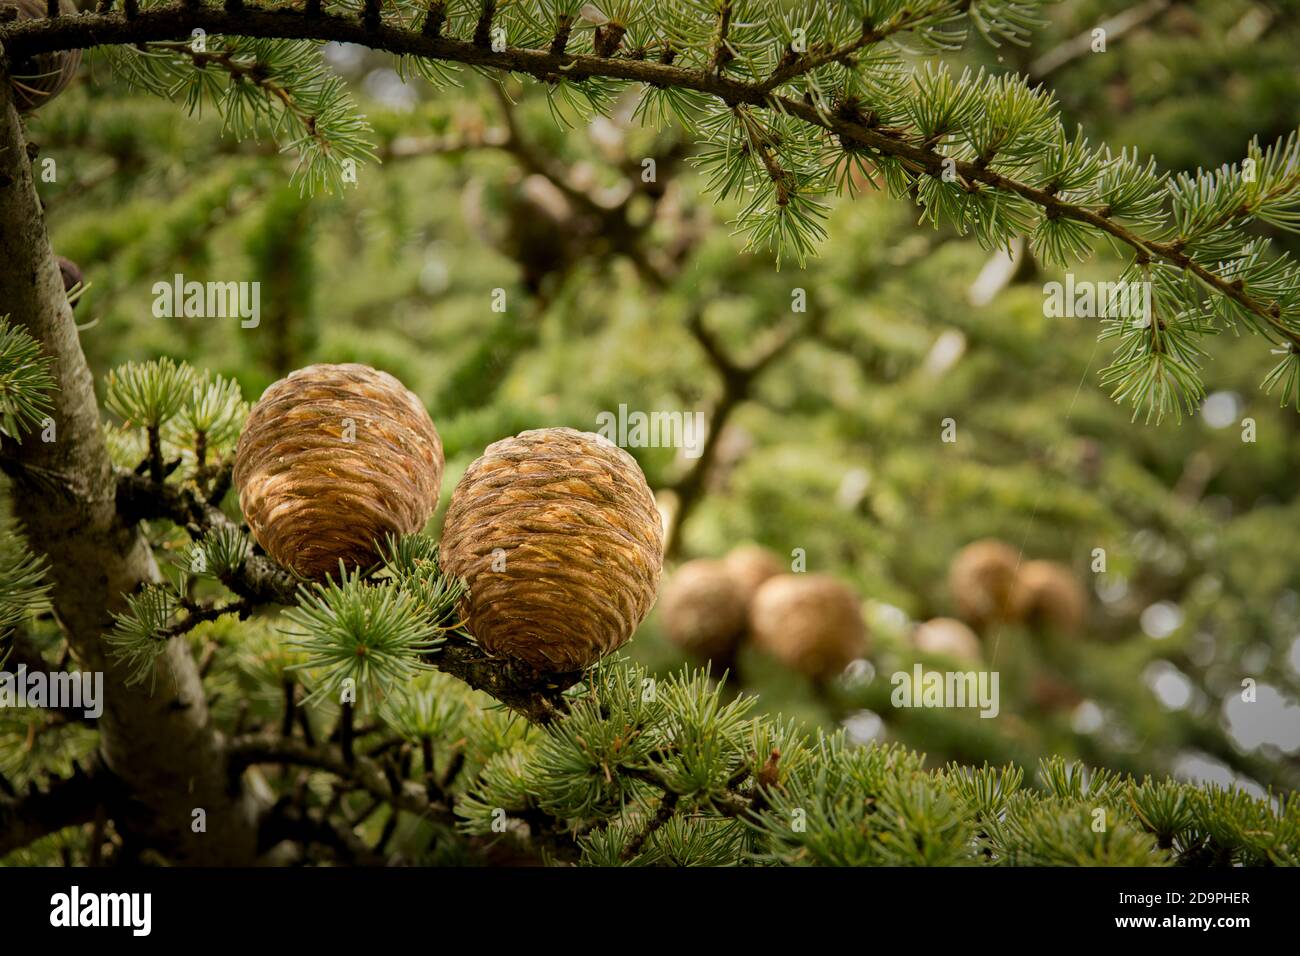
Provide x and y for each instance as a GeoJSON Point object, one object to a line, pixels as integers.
{"type": "Point", "coordinates": [664, 813]}
{"type": "Point", "coordinates": [721, 54]}
{"type": "Point", "coordinates": [259, 580]}
{"type": "Point", "coordinates": [287, 821]}
{"type": "Point", "coordinates": [737, 386]}
{"type": "Point", "coordinates": [795, 65]}
{"type": "Point", "coordinates": [25, 654]}
{"type": "Point", "coordinates": [28, 37]}
{"type": "Point", "coordinates": [365, 773]}
{"type": "Point", "coordinates": [68, 801]}
{"type": "Point", "coordinates": [1080, 45]}
{"type": "Point", "coordinates": [159, 738]}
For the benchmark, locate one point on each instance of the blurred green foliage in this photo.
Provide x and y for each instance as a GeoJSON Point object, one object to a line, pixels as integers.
{"type": "Point", "coordinates": [837, 447]}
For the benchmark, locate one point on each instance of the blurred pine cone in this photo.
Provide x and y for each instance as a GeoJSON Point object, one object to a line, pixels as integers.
{"type": "Point", "coordinates": [1048, 596]}
{"type": "Point", "coordinates": [750, 565]}
{"type": "Point", "coordinates": [981, 579]}
{"type": "Point", "coordinates": [812, 623]}
{"type": "Point", "coordinates": [948, 637]}
{"type": "Point", "coordinates": [72, 277]}
{"type": "Point", "coordinates": [41, 78]}
{"type": "Point", "coordinates": [559, 538]}
{"type": "Point", "coordinates": [333, 458]}
{"type": "Point", "coordinates": [704, 610]}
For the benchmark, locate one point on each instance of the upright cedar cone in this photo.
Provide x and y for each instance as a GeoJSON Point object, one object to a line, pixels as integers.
{"type": "Point", "coordinates": [949, 637]}
{"type": "Point", "coordinates": [1048, 596]}
{"type": "Point", "coordinates": [812, 623]}
{"type": "Point", "coordinates": [334, 458]}
{"type": "Point", "coordinates": [46, 75]}
{"type": "Point", "coordinates": [981, 579]}
{"type": "Point", "coordinates": [559, 539]}
{"type": "Point", "coordinates": [750, 565]}
{"type": "Point", "coordinates": [703, 610]}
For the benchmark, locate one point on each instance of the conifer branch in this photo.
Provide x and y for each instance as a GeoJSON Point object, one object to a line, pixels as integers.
{"type": "Point", "coordinates": [738, 378]}
{"type": "Point", "coordinates": [1115, 28]}
{"type": "Point", "coordinates": [434, 19]}
{"type": "Point", "coordinates": [257, 578]}
{"type": "Point", "coordinates": [288, 821]}
{"type": "Point", "coordinates": [983, 136]}
{"type": "Point", "coordinates": [721, 53]}
{"type": "Point", "coordinates": [667, 807]}
{"type": "Point", "coordinates": [199, 613]}
{"type": "Point", "coordinates": [794, 65]}
{"type": "Point", "coordinates": [362, 771]}
{"type": "Point", "coordinates": [65, 802]}
{"type": "Point", "coordinates": [483, 29]}
{"type": "Point", "coordinates": [258, 581]}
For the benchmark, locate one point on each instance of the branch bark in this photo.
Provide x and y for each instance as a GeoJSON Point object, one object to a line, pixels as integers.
{"type": "Point", "coordinates": [161, 745]}
{"type": "Point", "coordinates": [67, 802]}
{"type": "Point", "coordinates": [365, 773]}
{"type": "Point", "coordinates": [738, 380]}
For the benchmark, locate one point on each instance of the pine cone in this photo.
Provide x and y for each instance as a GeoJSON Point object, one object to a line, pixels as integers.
{"type": "Point", "coordinates": [333, 458]}
{"type": "Point", "coordinates": [72, 276]}
{"type": "Point", "coordinates": [43, 77]}
{"type": "Point", "coordinates": [812, 623]}
{"type": "Point", "coordinates": [704, 610]}
{"type": "Point", "coordinates": [1053, 695]}
{"type": "Point", "coordinates": [1047, 596]}
{"type": "Point", "coordinates": [559, 538]}
{"type": "Point", "coordinates": [948, 637]}
{"type": "Point", "coordinates": [981, 579]}
{"type": "Point", "coordinates": [750, 565]}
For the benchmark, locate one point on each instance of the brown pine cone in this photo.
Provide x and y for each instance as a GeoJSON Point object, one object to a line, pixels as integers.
{"type": "Point", "coordinates": [981, 579]}
{"type": "Point", "coordinates": [559, 538]}
{"type": "Point", "coordinates": [72, 276]}
{"type": "Point", "coordinates": [750, 565]}
{"type": "Point", "coordinates": [38, 80]}
{"type": "Point", "coordinates": [812, 623]}
{"type": "Point", "coordinates": [334, 458]}
{"type": "Point", "coordinates": [704, 610]}
{"type": "Point", "coordinates": [1047, 596]}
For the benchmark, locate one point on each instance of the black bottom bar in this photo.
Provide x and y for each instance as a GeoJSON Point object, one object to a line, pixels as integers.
{"type": "Point", "coordinates": [342, 905]}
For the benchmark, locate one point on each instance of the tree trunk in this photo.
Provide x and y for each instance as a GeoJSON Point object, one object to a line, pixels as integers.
{"type": "Point", "coordinates": [157, 737]}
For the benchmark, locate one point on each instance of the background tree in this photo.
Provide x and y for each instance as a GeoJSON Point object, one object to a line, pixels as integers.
{"type": "Point", "coordinates": [825, 423]}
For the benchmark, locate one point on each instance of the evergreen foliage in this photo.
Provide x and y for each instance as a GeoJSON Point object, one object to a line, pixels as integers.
{"type": "Point", "coordinates": [787, 99]}
{"type": "Point", "coordinates": [792, 110]}
{"type": "Point", "coordinates": [25, 380]}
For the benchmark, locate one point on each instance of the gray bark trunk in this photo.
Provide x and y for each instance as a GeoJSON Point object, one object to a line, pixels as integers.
{"type": "Point", "coordinates": [159, 740]}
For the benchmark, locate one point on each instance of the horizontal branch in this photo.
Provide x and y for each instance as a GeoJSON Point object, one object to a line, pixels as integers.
{"type": "Point", "coordinates": [68, 801]}
{"type": "Point", "coordinates": [538, 697]}
{"type": "Point", "coordinates": [259, 580]}
{"type": "Point", "coordinates": [796, 65]}
{"type": "Point", "coordinates": [197, 613]}
{"type": "Point", "coordinates": [23, 653]}
{"type": "Point", "coordinates": [287, 821]}
{"type": "Point", "coordinates": [28, 37]}
{"type": "Point", "coordinates": [253, 749]}
{"type": "Point", "coordinates": [1081, 44]}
